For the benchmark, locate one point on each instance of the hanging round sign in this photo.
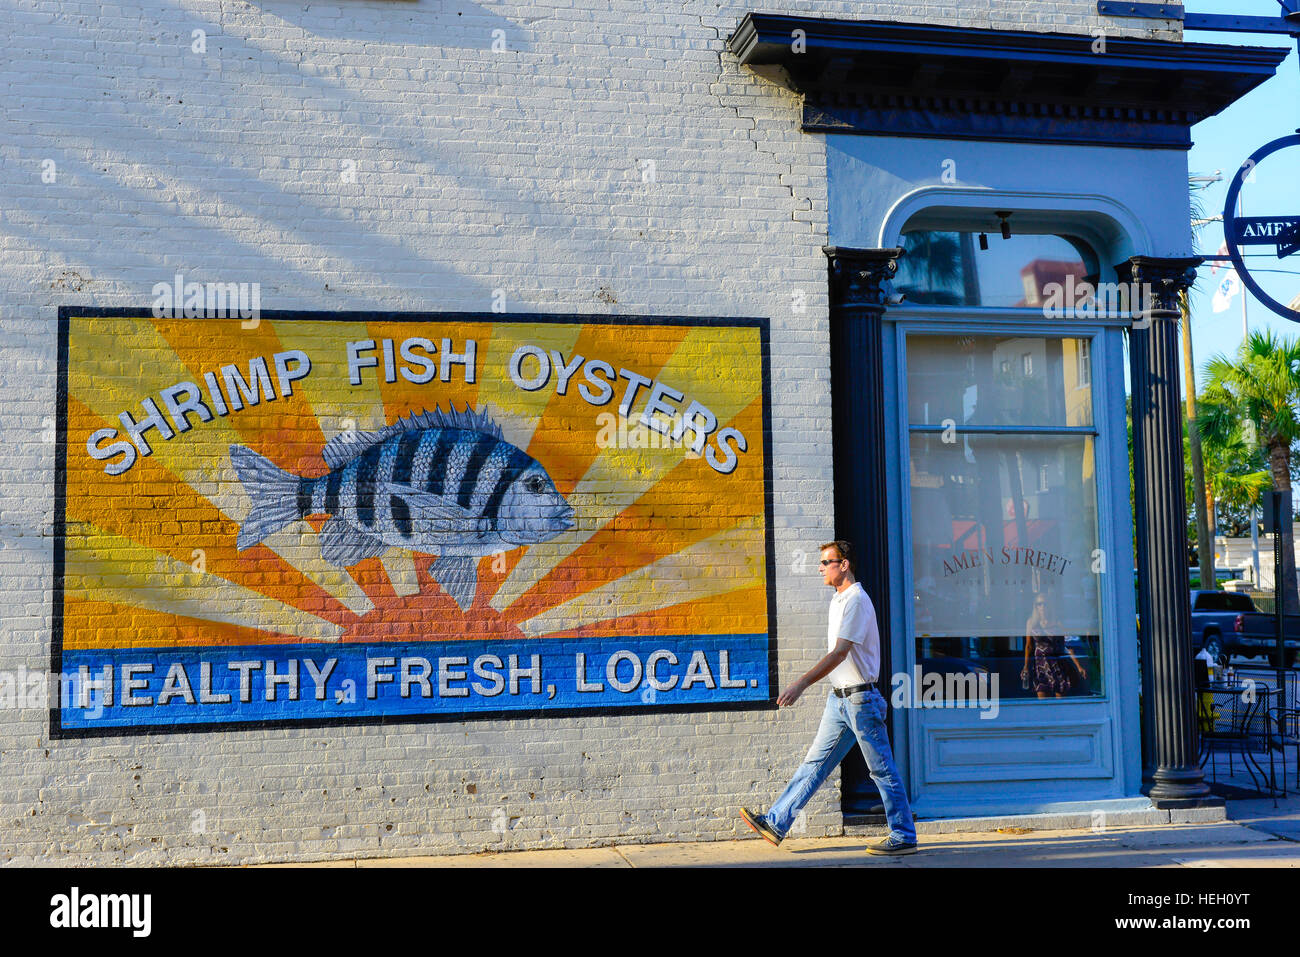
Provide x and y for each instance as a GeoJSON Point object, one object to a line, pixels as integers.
{"type": "Point", "coordinates": [1282, 233]}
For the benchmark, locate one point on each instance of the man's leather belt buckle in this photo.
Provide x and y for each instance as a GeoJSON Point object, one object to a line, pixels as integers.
{"type": "Point", "coordinates": [852, 690]}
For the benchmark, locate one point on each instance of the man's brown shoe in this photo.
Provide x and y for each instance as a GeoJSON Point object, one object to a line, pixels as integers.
{"type": "Point", "coordinates": [756, 822]}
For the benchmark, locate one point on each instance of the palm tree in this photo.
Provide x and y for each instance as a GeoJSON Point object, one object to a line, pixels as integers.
{"type": "Point", "coordinates": [1234, 471]}
{"type": "Point", "coordinates": [1201, 500]}
{"type": "Point", "coordinates": [932, 269]}
{"type": "Point", "coordinates": [1259, 390]}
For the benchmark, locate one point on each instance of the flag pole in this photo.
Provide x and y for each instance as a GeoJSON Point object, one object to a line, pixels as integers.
{"type": "Point", "coordinates": [1245, 324]}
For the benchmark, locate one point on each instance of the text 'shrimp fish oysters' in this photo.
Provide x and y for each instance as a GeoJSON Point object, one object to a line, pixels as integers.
{"type": "Point", "coordinates": [444, 483]}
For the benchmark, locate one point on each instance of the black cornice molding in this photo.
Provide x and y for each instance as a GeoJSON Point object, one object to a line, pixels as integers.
{"type": "Point", "coordinates": [912, 79]}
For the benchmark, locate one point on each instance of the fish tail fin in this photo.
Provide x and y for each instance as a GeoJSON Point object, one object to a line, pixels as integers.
{"type": "Point", "coordinates": [272, 492]}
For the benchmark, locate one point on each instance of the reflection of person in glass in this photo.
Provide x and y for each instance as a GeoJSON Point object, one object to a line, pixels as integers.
{"type": "Point", "coordinates": [1045, 650]}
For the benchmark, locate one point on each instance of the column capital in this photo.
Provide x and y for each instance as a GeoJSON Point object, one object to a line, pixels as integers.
{"type": "Point", "coordinates": [857, 274]}
{"type": "Point", "coordinates": [1162, 281]}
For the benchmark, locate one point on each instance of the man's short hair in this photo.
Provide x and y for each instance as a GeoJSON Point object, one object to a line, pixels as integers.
{"type": "Point", "coordinates": [842, 548]}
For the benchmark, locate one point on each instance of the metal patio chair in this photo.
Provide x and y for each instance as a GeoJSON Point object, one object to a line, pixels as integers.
{"type": "Point", "coordinates": [1286, 726]}
{"type": "Point", "coordinates": [1235, 719]}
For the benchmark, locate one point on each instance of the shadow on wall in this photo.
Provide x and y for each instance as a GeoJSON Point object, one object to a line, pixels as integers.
{"type": "Point", "coordinates": [303, 146]}
{"type": "Point", "coordinates": [440, 23]}
{"type": "Point", "coordinates": [152, 168]}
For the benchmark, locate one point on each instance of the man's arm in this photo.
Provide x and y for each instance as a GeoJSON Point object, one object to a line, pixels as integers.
{"type": "Point", "coordinates": [819, 671]}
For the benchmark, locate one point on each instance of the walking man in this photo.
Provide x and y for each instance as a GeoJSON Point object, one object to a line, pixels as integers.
{"type": "Point", "coordinates": [855, 710]}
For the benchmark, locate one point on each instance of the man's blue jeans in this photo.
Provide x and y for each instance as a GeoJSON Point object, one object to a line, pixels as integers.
{"type": "Point", "coordinates": [859, 717]}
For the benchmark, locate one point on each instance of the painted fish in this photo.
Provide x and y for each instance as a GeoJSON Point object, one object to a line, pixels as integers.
{"type": "Point", "coordinates": [445, 483]}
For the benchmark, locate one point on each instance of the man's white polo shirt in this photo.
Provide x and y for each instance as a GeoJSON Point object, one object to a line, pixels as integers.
{"type": "Point", "coordinates": [853, 618]}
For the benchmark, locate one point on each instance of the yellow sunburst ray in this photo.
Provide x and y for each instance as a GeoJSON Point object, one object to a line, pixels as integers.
{"type": "Point", "coordinates": [516, 410]}
{"type": "Point", "coordinates": [120, 386]}
{"type": "Point", "coordinates": [362, 406]}
{"type": "Point", "coordinates": [399, 564]}
{"type": "Point", "coordinates": [620, 476]}
{"type": "Point", "coordinates": [99, 566]}
{"type": "Point", "coordinates": [728, 561]}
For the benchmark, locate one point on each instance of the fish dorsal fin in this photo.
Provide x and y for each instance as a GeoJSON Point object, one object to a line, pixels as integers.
{"type": "Point", "coordinates": [465, 418]}
{"type": "Point", "coordinates": [346, 446]}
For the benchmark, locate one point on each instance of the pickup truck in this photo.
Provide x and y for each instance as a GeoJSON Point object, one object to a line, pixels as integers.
{"type": "Point", "coordinates": [1225, 623]}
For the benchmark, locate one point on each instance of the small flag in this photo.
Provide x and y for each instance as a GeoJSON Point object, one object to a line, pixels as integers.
{"type": "Point", "coordinates": [1227, 290]}
{"type": "Point", "coordinates": [1223, 251]}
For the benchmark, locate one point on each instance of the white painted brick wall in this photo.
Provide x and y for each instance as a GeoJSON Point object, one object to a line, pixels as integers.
{"type": "Point", "coordinates": [476, 170]}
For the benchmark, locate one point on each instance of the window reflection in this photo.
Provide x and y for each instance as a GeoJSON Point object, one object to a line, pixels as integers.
{"type": "Point", "coordinates": [943, 268]}
{"type": "Point", "coordinates": [1051, 667]}
{"type": "Point", "coordinates": [999, 380]}
{"type": "Point", "coordinates": [1004, 524]}
{"type": "Point", "coordinates": [1004, 657]}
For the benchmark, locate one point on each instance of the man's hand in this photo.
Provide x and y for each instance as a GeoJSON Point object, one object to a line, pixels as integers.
{"type": "Point", "coordinates": [824, 667]}
{"type": "Point", "coordinates": [791, 694]}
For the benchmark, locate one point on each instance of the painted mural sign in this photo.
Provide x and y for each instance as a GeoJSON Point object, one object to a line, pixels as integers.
{"type": "Point", "coordinates": [315, 518]}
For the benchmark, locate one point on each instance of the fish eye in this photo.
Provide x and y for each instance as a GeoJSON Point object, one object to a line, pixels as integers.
{"type": "Point", "coordinates": [534, 483]}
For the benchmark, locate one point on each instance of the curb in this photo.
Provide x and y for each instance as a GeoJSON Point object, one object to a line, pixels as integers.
{"type": "Point", "coordinates": [1068, 821]}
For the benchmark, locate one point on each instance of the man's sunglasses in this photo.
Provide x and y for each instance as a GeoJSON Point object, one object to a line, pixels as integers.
{"type": "Point", "coordinates": [832, 561]}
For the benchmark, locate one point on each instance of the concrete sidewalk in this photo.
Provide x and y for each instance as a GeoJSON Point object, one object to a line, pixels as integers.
{"type": "Point", "coordinates": [1255, 834]}
{"type": "Point", "coordinates": [1229, 844]}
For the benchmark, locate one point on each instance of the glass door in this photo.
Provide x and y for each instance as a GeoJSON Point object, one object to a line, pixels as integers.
{"type": "Point", "coordinates": [1009, 698]}
{"type": "Point", "coordinates": [1004, 532]}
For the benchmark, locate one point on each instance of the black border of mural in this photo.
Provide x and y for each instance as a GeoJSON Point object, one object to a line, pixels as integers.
{"type": "Point", "coordinates": [66, 313]}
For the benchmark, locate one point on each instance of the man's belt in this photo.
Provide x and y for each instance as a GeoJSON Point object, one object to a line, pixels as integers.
{"type": "Point", "coordinates": [853, 689]}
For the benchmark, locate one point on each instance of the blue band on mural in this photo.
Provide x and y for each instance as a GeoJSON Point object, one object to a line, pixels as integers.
{"type": "Point", "coordinates": [165, 687]}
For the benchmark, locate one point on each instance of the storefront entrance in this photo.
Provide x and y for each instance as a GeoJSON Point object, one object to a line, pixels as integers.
{"type": "Point", "coordinates": [1010, 531]}
{"type": "Point", "coordinates": [979, 422]}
